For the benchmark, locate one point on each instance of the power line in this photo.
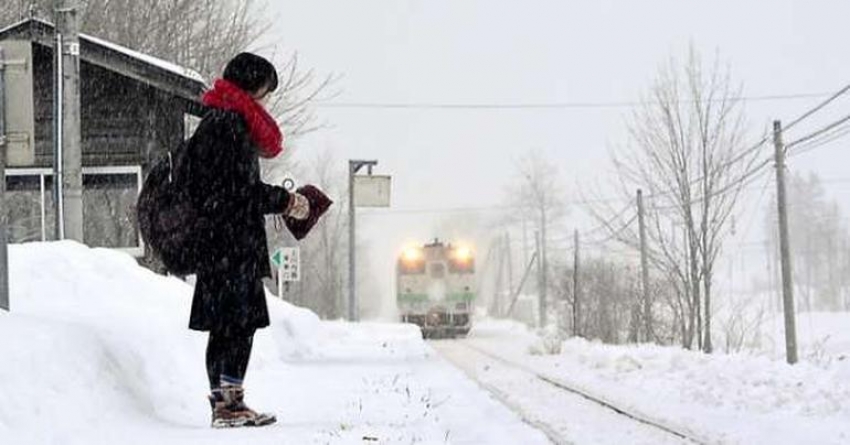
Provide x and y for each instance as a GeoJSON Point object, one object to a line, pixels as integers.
{"type": "Point", "coordinates": [825, 135]}
{"type": "Point", "coordinates": [756, 170]}
{"type": "Point", "coordinates": [755, 215]}
{"type": "Point", "coordinates": [817, 133]}
{"type": "Point", "coordinates": [767, 137]}
{"type": "Point", "coordinates": [615, 234]}
{"type": "Point", "coordinates": [694, 182]}
{"type": "Point", "coordinates": [820, 137]}
{"type": "Point", "coordinates": [745, 180]}
{"type": "Point", "coordinates": [606, 224]}
{"type": "Point", "coordinates": [480, 209]}
{"type": "Point", "coordinates": [400, 212]}
{"type": "Point", "coordinates": [805, 148]}
{"type": "Point", "coordinates": [817, 108]}
{"type": "Point", "coordinates": [742, 182]}
{"type": "Point", "coordinates": [541, 105]}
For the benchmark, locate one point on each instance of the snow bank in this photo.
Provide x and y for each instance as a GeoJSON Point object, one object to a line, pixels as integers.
{"type": "Point", "coordinates": [97, 351]}
{"type": "Point", "coordinates": [734, 398]}
{"type": "Point", "coordinates": [93, 337]}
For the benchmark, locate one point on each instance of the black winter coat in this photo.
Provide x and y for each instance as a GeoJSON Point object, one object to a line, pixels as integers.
{"type": "Point", "coordinates": [223, 179]}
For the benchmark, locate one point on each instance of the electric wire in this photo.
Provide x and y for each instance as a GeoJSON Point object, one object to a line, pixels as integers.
{"type": "Point", "coordinates": [605, 224]}
{"type": "Point", "coordinates": [817, 133]}
{"type": "Point", "coordinates": [615, 234]}
{"type": "Point", "coordinates": [805, 148]}
{"type": "Point", "coordinates": [758, 204]}
{"type": "Point", "coordinates": [817, 108]}
{"type": "Point", "coordinates": [767, 137]}
{"type": "Point", "coordinates": [804, 144]}
{"type": "Point", "coordinates": [694, 182]}
{"type": "Point", "coordinates": [541, 105]}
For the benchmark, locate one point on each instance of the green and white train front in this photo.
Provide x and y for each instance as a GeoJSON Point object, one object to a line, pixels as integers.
{"type": "Point", "coordinates": [435, 288]}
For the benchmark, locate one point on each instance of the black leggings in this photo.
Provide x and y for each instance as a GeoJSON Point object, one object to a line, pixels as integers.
{"type": "Point", "coordinates": [228, 355]}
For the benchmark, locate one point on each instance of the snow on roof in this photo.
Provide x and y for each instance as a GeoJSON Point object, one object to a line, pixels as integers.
{"type": "Point", "coordinates": [16, 24]}
{"type": "Point", "coordinates": [150, 60]}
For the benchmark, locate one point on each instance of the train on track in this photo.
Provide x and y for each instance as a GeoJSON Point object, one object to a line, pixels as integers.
{"type": "Point", "coordinates": [435, 288]}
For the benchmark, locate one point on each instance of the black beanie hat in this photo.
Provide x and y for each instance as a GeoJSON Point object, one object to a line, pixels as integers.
{"type": "Point", "coordinates": [251, 72]}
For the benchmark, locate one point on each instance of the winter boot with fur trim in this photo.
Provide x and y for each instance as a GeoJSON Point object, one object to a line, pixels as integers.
{"type": "Point", "coordinates": [229, 410]}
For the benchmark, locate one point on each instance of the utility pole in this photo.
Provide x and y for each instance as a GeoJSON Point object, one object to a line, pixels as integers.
{"type": "Point", "coordinates": [71, 177]}
{"type": "Point", "coordinates": [544, 268]}
{"type": "Point", "coordinates": [494, 256]}
{"type": "Point", "coordinates": [576, 288]}
{"type": "Point", "coordinates": [525, 275]}
{"type": "Point", "coordinates": [785, 248]}
{"type": "Point", "coordinates": [500, 278]}
{"type": "Point", "coordinates": [644, 270]}
{"type": "Point", "coordinates": [352, 295]}
{"type": "Point", "coordinates": [353, 168]}
{"type": "Point", "coordinates": [541, 294]}
{"type": "Point", "coordinates": [4, 214]}
{"type": "Point", "coordinates": [510, 263]}
{"type": "Point", "coordinates": [58, 115]}
{"type": "Point", "coordinates": [524, 240]}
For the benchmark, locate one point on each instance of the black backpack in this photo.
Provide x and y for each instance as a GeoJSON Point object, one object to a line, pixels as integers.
{"type": "Point", "coordinates": [168, 220]}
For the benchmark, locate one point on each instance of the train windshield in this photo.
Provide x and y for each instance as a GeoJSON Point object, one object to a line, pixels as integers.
{"type": "Point", "coordinates": [411, 267]}
{"type": "Point", "coordinates": [438, 270]}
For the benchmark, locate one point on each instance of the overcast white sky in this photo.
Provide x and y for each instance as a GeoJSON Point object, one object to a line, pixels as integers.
{"type": "Point", "coordinates": [539, 51]}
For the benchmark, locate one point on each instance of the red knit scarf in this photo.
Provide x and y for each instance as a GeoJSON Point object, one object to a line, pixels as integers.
{"type": "Point", "coordinates": [263, 129]}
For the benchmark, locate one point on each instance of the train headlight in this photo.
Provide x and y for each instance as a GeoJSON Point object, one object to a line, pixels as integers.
{"type": "Point", "coordinates": [412, 254]}
{"type": "Point", "coordinates": [463, 254]}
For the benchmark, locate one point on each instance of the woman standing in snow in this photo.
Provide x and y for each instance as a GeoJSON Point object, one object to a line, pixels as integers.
{"type": "Point", "coordinates": [225, 186]}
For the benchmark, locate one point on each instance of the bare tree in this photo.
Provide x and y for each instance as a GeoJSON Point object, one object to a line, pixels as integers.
{"type": "Point", "coordinates": [610, 297]}
{"type": "Point", "coordinates": [686, 149]}
{"type": "Point", "coordinates": [202, 35]}
{"type": "Point", "coordinates": [11, 11]}
{"type": "Point", "coordinates": [199, 34]}
{"type": "Point", "coordinates": [324, 262]}
{"type": "Point", "coordinates": [536, 201]}
{"type": "Point", "coordinates": [820, 237]}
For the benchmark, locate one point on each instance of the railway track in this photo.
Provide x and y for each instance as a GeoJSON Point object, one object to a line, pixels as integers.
{"type": "Point", "coordinates": [461, 354]}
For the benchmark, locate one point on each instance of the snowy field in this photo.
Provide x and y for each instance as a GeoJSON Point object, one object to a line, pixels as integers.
{"type": "Point", "coordinates": [96, 351]}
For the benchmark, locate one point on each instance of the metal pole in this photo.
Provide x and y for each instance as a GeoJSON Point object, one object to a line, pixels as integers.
{"type": "Point", "coordinates": [644, 270]}
{"type": "Point", "coordinates": [497, 295]}
{"type": "Point", "coordinates": [525, 275]}
{"type": "Point", "coordinates": [541, 303]}
{"type": "Point", "coordinates": [785, 248]}
{"type": "Point", "coordinates": [4, 215]}
{"type": "Point", "coordinates": [279, 283]}
{"type": "Point", "coordinates": [353, 305]}
{"type": "Point", "coordinates": [510, 263]}
{"type": "Point", "coordinates": [576, 288]}
{"type": "Point", "coordinates": [524, 240]}
{"type": "Point", "coordinates": [58, 138]}
{"type": "Point", "coordinates": [68, 26]}
{"type": "Point", "coordinates": [544, 269]}
{"type": "Point", "coordinates": [352, 297]}
{"type": "Point", "coordinates": [545, 249]}
{"type": "Point", "coordinates": [41, 191]}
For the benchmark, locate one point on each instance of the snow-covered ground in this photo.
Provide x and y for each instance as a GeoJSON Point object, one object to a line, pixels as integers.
{"type": "Point", "coordinates": [735, 398]}
{"type": "Point", "coordinates": [96, 351]}
{"type": "Point", "coordinates": [565, 417]}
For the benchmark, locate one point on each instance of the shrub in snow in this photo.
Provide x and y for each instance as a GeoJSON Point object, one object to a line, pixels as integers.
{"type": "Point", "coordinates": [550, 342]}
